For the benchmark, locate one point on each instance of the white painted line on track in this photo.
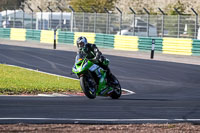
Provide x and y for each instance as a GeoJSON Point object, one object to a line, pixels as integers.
{"type": "Point", "coordinates": [129, 92]}
{"type": "Point", "coordinates": [55, 95]}
{"type": "Point", "coordinates": [106, 120]}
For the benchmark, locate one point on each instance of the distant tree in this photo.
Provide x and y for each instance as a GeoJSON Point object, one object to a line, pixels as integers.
{"type": "Point", "coordinates": [137, 5]}
{"type": "Point", "coordinates": [99, 5]}
{"type": "Point", "coordinates": [53, 4]}
{"type": "Point", "coordinates": [181, 7]}
{"type": "Point", "coordinates": [171, 24]}
{"type": "Point", "coordinates": [10, 4]}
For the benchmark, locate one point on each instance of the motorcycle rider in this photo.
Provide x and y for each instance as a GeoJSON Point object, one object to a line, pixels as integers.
{"type": "Point", "coordinates": [93, 54]}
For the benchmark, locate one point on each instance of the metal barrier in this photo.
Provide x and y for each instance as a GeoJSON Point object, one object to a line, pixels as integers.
{"type": "Point", "coordinates": [183, 26]}
{"type": "Point", "coordinates": [166, 45]}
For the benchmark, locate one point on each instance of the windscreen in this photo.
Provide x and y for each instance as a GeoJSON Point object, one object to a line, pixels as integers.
{"type": "Point", "coordinates": [78, 56]}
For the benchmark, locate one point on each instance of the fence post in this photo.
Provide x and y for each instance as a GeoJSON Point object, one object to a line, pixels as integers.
{"type": "Point", "coordinates": [6, 26]}
{"type": "Point", "coordinates": [147, 12]}
{"type": "Point", "coordinates": [95, 19]}
{"type": "Point", "coordinates": [196, 23]}
{"type": "Point", "coordinates": [163, 20]}
{"type": "Point", "coordinates": [22, 17]}
{"type": "Point", "coordinates": [50, 25]}
{"type": "Point", "coordinates": [61, 17]}
{"type": "Point", "coordinates": [14, 18]}
{"type": "Point", "coordinates": [41, 21]}
{"type": "Point", "coordinates": [178, 26]}
{"type": "Point", "coordinates": [31, 16]}
{"type": "Point", "coordinates": [72, 18]}
{"type": "Point", "coordinates": [83, 25]}
{"type": "Point", "coordinates": [133, 20]}
{"type": "Point", "coordinates": [108, 21]}
{"type": "Point", "coordinates": [178, 21]}
{"type": "Point", "coordinates": [120, 22]}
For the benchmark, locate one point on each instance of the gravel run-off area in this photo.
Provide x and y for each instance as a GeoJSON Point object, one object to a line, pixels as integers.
{"type": "Point", "coordinates": [84, 128]}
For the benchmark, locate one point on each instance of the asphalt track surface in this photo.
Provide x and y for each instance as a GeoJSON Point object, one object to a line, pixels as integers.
{"type": "Point", "coordinates": [165, 91]}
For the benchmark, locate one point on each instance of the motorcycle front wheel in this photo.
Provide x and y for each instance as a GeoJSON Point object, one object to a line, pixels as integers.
{"type": "Point", "coordinates": [117, 88]}
{"type": "Point", "coordinates": [88, 86]}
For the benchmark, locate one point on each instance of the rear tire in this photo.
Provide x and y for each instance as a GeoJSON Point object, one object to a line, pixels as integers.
{"type": "Point", "coordinates": [88, 86]}
{"type": "Point", "coordinates": [117, 89]}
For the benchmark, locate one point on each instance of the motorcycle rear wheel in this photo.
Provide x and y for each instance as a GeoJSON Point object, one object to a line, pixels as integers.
{"type": "Point", "coordinates": [88, 86]}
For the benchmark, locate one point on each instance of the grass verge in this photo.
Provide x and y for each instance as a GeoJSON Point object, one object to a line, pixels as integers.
{"type": "Point", "coordinates": [15, 81]}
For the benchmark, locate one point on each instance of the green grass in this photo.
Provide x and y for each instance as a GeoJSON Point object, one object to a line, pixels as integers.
{"type": "Point", "coordinates": [15, 80]}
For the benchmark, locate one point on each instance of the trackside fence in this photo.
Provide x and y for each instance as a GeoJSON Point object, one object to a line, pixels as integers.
{"type": "Point", "coordinates": [177, 26]}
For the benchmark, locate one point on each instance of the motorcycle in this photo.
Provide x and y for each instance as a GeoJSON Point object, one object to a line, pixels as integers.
{"type": "Point", "coordinates": [93, 79]}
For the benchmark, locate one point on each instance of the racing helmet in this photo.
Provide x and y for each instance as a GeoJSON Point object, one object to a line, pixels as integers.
{"type": "Point", "coordinates": [81, 42]}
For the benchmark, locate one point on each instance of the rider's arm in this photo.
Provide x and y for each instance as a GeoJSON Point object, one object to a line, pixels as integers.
{"type": "Point", "coordinates": [80, 53]}
{"type": "Point", "coordinates": [97, 53]}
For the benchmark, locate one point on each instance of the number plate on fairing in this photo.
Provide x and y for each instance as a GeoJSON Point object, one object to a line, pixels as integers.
{"type": "Point", "coordinates": [93, 67]}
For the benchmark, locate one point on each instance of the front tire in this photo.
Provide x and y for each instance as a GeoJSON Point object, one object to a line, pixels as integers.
{"type": "Point", "coordinates": [117, 88]}
{"type": "Point", "coordinates": [88, 86]}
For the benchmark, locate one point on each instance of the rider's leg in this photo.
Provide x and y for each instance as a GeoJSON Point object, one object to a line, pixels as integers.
{"type": "Point", "coordinates": [108, 72]}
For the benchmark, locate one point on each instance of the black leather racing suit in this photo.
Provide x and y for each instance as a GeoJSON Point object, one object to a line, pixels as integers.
{"type": "Point", "coordinates": [95, 56]}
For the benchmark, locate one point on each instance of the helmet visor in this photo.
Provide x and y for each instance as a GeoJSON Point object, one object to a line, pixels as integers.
{"type": "Point", "coordinates": [81, 44]}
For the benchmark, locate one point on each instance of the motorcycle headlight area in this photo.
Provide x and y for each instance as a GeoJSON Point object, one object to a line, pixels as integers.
{"type": "Point", "coordinates": [74, 68]}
